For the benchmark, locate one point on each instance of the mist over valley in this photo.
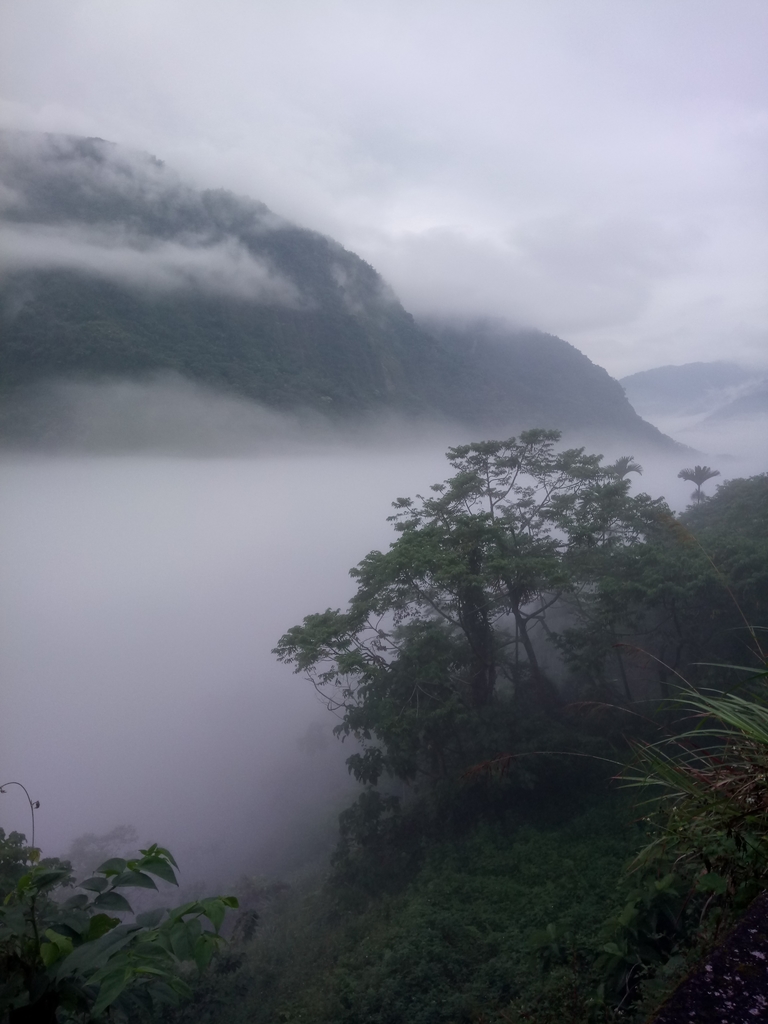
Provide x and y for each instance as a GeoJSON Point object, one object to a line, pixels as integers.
{"type": "Point", "coordinates": [383, 513]}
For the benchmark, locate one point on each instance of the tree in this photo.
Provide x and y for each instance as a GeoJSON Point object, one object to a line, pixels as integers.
{"type": "Point", "coordinates": [69, 955]}
{"type": "Point", "coordinates": [414, 665]}
{"type": "Point", "coordinates": [623, 466]}
{"type": "Point", "coordinates": [698, 475]}
{"type": "Point", "coordinates": [678, 602]}
{"type": "Point", "coordinates": [89, 850]}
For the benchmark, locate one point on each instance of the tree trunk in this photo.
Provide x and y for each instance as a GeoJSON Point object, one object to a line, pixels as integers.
{"type": "Point", "coordinates": [473, 614]}
{"type": "Point", "coordinates": [543, 685]}
{"type": "Point", "coordinates": [623, 671]}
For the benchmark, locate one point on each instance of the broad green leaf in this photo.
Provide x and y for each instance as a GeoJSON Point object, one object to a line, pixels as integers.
{"type": "Point", "coordinates": [110, 989]}
{"type": "Point", "coordinates": [94, 884]}
{"type": "Point", "coordinates": [113, 866]}
{"type": "Point", "coordinates": [79, 902]}
{"type": "Point", "coordinates": [75, 925]}
{"type": "Point", "coordinates": [49, 953]}
{"type": "Point", "coordinates": [153, 950]}
{"type": "Point", "coordinates": [183, 940]}
{"type": "Point", "coordinates": [204, 948]}
{"type": "Point", "coordinates": [160, 867]}
{"type": "Point", "coordinates": [215, 911]}
{"type": "Point", "coordinates": [41, 880]}
{"type": "Point", "coordinates": [95, 954]}
{"type": "Point", "coordinates": [712, 882]}
{"type": "Point", "coordinates": [158, 851]}
{"type": "Point", "coordinates": [193, 907]}
{"type": "Point", "coordinates": [162, 852]}
{"type": "Point", "coordinates": [136, 879]}
{"type": "Point", "coordinates": [100, 925]}
{"type": "Point", "coordinates": [112, 901]}
{"type": "Point", "coordinates": [56, 947]}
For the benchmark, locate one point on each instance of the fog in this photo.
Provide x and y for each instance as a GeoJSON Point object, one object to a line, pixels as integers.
{"type": "Point", "coordinates": [142, 596]}
{"type": "Point", "coordinates": [226, 268]}
{"type": "Point", "coordinates": [145, 584]}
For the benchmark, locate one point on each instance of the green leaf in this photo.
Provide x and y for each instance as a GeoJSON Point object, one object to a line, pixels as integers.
{"type": "Point", "coordinates": [137, 879]}
{"type": "Point", "coordinates": [112, 901]}
{"type": "Point", "coordinates": [215, 911]}
{"type": "Point", "coordinates": [75, 925]}
{"type": "Point", "coordinates": [94, 884]}
{"type": "Point", "coordinates": [204, 949]}
{"type": "Point", "coordinates": [100, 925]}
{"type": "Point", "coordinates": [41, 880]}
{"type": "Point", "coordinates": [94, 955]}
{"type": "Point", "coordinates": [113, 866]}
{"type": "Point", "coordinates": [78, 902]}
{"type": "Point", "coordinates": [111, 987]}
{"type": "Point", "coordinates": [712, 882]}
{"type": "Point", "coordinates": [182, 940]}
{"type": "Point", "coordinates": [159, 866]}
{"type": "Point", "coordinates": [49, 953]}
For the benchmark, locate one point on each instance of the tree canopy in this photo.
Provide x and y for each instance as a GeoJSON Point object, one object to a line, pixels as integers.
{"type": "Point", "coordinates": [443, 623]}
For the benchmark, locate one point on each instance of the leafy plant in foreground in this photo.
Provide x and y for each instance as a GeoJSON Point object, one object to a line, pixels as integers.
{"type": "Point", "coordinates": [709, 856]}
{"type": "Point", "coordinates": [713, 814]}
{"type": "Point", "coordinates": [72, 959]}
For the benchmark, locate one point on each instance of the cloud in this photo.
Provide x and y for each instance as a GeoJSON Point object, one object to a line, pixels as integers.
{"type": "Point", "coordinates": [597, 170]}
{"type": "Point", "coordinates": [225, 267]}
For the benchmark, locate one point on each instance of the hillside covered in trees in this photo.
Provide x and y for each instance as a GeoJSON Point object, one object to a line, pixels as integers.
{"type": "Point", "coordinates": [114, 267]}
{"type": "Point", "coordinates": [495, 867]}
{"type": "Point", "coordinates": [535, 639]}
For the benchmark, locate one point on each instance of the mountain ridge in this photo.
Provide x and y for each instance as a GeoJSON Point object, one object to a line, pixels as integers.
{"type": "Point", "coordinates": [115, 267]}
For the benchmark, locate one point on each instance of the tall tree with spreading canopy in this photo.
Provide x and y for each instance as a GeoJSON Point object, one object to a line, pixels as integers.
{"type": "Point", "coordinates": [414, 665]}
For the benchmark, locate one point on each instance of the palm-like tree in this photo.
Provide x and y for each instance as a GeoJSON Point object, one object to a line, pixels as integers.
{"type": "Point", "coordinates": [698, 475]}
{"type": "Point", "coordinates": [623, 466]}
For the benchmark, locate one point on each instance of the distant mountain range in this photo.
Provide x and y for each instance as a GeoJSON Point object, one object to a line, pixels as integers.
{"type": "Point", "coordinates": [707, 393]}
{"type": "Point", "coordinates": [113, 267]}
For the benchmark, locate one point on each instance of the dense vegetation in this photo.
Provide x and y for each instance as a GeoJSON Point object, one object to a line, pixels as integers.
{"type": "Point", "coordinates": [66, 956]}
{"type": "Point", "coordinates": [125, 271]}
{"type": "Point", "coordinates": [494, 868]}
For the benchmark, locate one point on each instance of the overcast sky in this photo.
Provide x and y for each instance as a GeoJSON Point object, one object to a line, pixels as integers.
{"type": "Point", "coordinates": [595, 169]}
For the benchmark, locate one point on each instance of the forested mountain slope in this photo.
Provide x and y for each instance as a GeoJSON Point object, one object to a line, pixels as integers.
{"type": "Point", "coordinates": [112, 266]}
{"type": "Point", "coordinates": [687, 389]}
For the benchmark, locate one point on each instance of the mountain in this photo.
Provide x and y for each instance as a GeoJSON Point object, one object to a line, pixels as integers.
{"type": "Point", "coordinates": [686, 390]}
{"type": "Point", "coordinates": [113, 267]}
{"type": "Point", "coordinates": [748, 404]}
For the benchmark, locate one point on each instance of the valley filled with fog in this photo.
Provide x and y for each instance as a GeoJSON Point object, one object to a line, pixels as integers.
{"type": "Point", "coordinates": [143, 595]}
{"type": "Point", "coordinates": [144, 590]}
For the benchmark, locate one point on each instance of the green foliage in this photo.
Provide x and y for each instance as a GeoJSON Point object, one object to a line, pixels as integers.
{"type": "Point", "coordinates": [510, 888]}
{"type": "Point", "coordinates": [456, 941]}
{"type": "Point", "coordinates": [89, 850]}
{"type": "Point", "coordinates": [707, 857]}
{"type": "Point", "coordinates": [712, 819]}
{"type": "Point", "coordinates": [678, 603]}
{"type": "Point", "coordinates": [436, 646]}
{"type": "Point", "coordinates": [71, 956]}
